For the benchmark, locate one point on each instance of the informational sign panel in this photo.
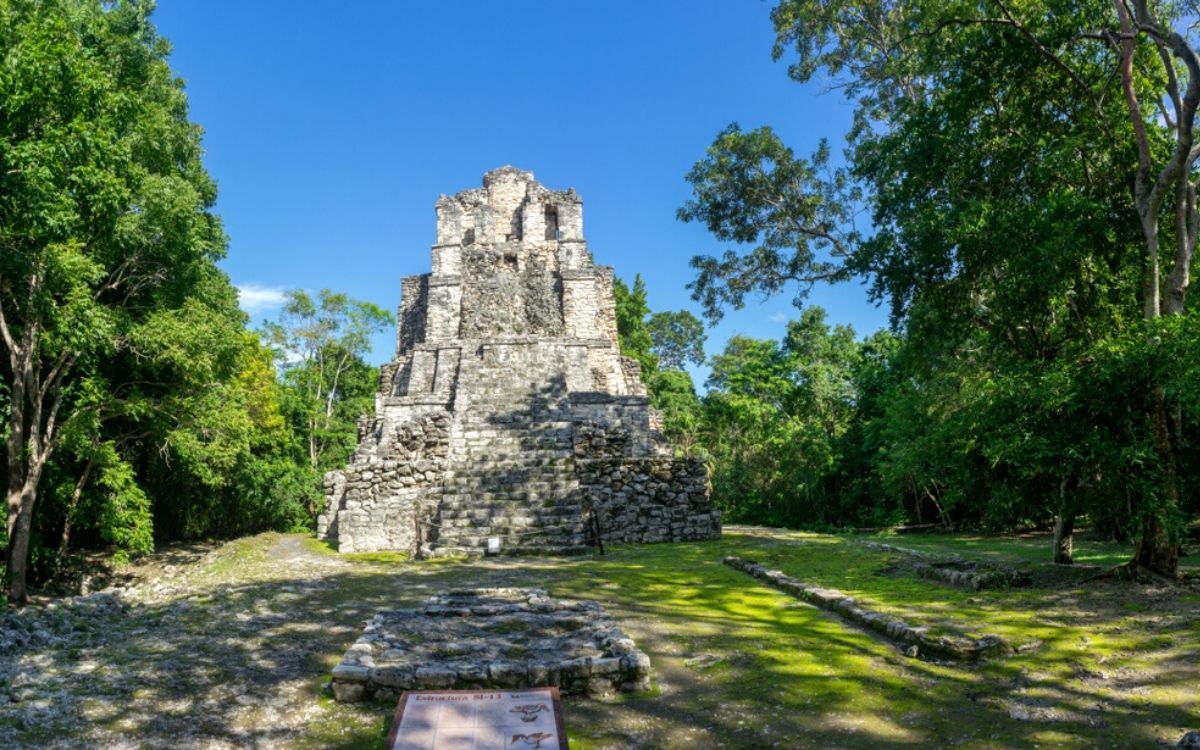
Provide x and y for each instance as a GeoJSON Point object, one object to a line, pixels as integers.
{"type": "Point", "coordinates": [527, 719]}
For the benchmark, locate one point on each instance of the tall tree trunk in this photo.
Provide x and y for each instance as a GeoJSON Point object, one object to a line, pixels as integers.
{"type": "Point", "coordinates": [1156, 550]}
{"type": "Point", "coordinates": [1064, 524]}
{"type": "Point", "coordinates": [33, 417]}
{"type": "Point", "coordinates": [1064, 539]}
{"type": "Point", "coordinates": [65, 541]}
{"type": "Point", "coordinates": [18, 544]}
{"type": "Point", "coordinates": [16, 485]}
{"type": "Point", "coordinates": [14, 561]}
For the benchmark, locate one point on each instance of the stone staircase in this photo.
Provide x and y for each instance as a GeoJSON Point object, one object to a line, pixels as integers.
{"type": "Point", "coordinates": [514, 480]}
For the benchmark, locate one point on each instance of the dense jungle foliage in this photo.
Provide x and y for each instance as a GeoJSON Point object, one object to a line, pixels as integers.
{"type": "Point", "coordinates": [138, 405]}
{"type": "Point", "coordinates": [1029, 174]}
{"type": "Point", "coordinates": [824, 429]}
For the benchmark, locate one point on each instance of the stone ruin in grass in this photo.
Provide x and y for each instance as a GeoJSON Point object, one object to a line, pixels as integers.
{"type": "Point", "coordinates": [958, 571]}
{"type": "Point", "coordinates": [914, 640]}
{"type": "Point", "coordinates": [491, 638]}
{"type": "Point", "coordinates": [509, 411]}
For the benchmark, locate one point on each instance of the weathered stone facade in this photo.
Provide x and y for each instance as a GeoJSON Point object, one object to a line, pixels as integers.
{"type": "Point", "coordinates": [509, 411]}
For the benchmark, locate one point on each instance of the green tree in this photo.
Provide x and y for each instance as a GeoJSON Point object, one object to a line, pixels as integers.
{"type": "Point", "coordinates": [774, 419]}
{"type": "Point", "coordinates": [320, 344]}
{"type": "Point", "coordinates": [993, 145]}
{"type": "Point", "coordinates": [662, 343]}
{"type": "Point", "coordinates": [677, 338]}
{"type": "Point", "coordinates": [674, 394]}
{"type": "Point", "coordinates": [105, 221]}
{"type": "Point", "coordinates": [633, 333]}
{"type": "Point", "coordinates": [751, 189]}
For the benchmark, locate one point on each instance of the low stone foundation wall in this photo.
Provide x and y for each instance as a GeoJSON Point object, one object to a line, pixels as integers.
{"type": "Point", "coordinates": [957, 571]}
{"type": "Point", "coordinates": [916, 640]}
{"type": "Point", "coordinates": [501, 638]}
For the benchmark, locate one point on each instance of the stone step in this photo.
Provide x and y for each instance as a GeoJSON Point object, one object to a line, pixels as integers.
{"type": "Point", "coordinates": [509, 534]}
{"type": "Point", "coordinates": [522, 453]}
{"type": "Point", "coordinates": [554, 437]}
{"type": "Point", "coordinates": [523, 500]}
{"type": "Point", "coordinates": [490, 463]}
{"type": "Point", "coordinates": [456, 504]}
{"type": "Point", "coordinates": [492, 484]}
{"type": "Point", "coordinates": [519, 476]}
{"type": "Point", "coordinates": [514, 534]}
{"type": "Point", "coordinates": [516, 510]}
{"type": "Point", "coordinates": [479, 503]}
{"type": "Point", "coordinates": [496, 514]}
{"type": "Point", "coordinates": [562, 549]}
{"type": "Point", "coordinates": [470, 509]}
{"type": "Point", "coordinates": [504, 527]}
{"type": "Point", "coordinates": [525, 446]}
{"type": "Point", "coordinates": [516, 489]}
{"type": "Point", "coordinates": [511, 541]}
{"type": "Point", "coordinates": [512, 423]}
{"type": "Point", "coordinates": [490, 515]}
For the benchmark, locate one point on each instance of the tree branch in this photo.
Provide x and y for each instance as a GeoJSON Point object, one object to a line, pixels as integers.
{"type": "Point", "coordinates": [9, 342]}
{"type": "Point", "coordinates": [1125, 49]}
{"type": "Point", "coordinates": [1172, 83]}
{"type": "Point", "coordinates": [1053, 58]}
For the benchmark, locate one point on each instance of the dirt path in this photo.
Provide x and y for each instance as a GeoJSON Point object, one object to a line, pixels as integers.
{"type": "Point", "coordinates": [228, 649]}
{"type": "Point", "coordinates": [215, 654]}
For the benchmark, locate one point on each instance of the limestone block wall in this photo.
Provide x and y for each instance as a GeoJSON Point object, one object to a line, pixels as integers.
{"type": "Point", "coordinates": [374, 502]}
{"type": "Point", "coordinates": [506, 293]}
{"type": "Point", "coordinates": [642, 499]}
{"type": "Point", "coordinates": [648, 500]}
{"type": "Point", "coordinates": [414, 301]}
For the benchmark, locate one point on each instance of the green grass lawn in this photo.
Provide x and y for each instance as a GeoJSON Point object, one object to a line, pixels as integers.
{"type": "Point", "coordinates": [1034, 548]}
{"type": "Point", "coordinates": [1117, 664]}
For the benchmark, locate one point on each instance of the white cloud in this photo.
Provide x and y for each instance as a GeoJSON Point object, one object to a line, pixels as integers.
{"type": "Point", "coordinates": [256, 299]}
{"type": "Point", "coordinates": [779, 317]}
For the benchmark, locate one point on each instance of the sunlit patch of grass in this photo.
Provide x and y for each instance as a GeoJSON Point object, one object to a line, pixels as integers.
{"type": "Point", "coordinates": [376, 557]}
{"type": "Point", "coordinates": [1030, 548]}
{"type": "Point", "coordinates": [347, 727]}
{"type": "Point", "coordinates": [833, 681]}
{"type": "Point", "coordinates": [236, 556]}
{"type": "Point", "coordinates": [320, 546]}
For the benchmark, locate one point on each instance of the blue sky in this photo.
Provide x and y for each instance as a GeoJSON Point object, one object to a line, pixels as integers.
{"type": "Point", "coordinates": [332, 127]}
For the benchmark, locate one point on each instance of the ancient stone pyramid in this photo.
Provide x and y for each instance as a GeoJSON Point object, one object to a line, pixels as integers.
{"type": "Point", "coordinates": [509, 412]}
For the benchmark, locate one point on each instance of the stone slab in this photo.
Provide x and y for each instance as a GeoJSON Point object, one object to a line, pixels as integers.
{"type": "Point", "coordinates": [503, 638]}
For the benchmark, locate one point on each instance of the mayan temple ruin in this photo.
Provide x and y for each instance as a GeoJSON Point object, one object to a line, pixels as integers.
{"type": "Point", "coordinates": [509, 413]}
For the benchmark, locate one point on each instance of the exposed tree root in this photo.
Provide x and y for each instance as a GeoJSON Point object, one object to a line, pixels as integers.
{"type": "Point", "coordinates": [1133, 572]}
